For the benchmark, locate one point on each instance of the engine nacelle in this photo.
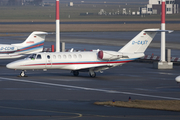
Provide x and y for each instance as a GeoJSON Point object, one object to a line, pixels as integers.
{"type": "Point", "coordinates": [109, 55]}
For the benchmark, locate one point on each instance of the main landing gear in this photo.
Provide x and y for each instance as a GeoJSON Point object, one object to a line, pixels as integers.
{"type": "Point", "coordinates": [91, 73]}
{"type": "Point", "coordinates": [75, 73]}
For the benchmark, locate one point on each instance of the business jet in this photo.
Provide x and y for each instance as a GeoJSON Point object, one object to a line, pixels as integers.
{"type": "Point", "coordinates": [177, 79]}
{"type": "Point", "coordinates": [87, 61]}
{"type": "Point", "coordinates": [33, 44]}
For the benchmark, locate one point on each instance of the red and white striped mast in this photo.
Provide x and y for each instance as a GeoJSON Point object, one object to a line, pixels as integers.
{"type": "Point", "coordinates": [57, 27]}
{"type": "Point", "coordinates": [163, 34]}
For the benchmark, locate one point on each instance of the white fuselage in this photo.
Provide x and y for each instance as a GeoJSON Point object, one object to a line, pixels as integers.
{"type": "Point", "coordinates": [7, 51]}
{"type": "Point", "coordinates": [5, 48]}
{"type": "Point", "coordinates": [92, 61]}
{"type": "Point", "coordinates": [16, 51]}
{"type": "Point", "coordinates": [67, 61]}
{"type": "Point", "coordinates": [177, 79]}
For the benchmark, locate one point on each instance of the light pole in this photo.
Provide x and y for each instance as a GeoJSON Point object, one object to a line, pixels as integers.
{"type": "Point", "coordinates": [57, 27]}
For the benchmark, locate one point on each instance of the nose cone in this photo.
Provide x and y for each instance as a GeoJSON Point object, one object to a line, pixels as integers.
{"type": "Point", "coordinates": [12, 65]}
{"type": "Point", "coordinates": [177, 79]}
{"type": "Point", "coordinates": [15, 65]}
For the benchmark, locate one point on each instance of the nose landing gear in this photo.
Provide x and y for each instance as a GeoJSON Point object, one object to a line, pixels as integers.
{"type": "Point", "coordinates": [22, 74]}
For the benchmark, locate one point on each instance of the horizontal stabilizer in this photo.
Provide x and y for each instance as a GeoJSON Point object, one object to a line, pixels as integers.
{"type": "Point", "coordinates": [153, 30]}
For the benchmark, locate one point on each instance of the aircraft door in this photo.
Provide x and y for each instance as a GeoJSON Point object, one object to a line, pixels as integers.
{"type": "Point", "coordinates": [48, 61]}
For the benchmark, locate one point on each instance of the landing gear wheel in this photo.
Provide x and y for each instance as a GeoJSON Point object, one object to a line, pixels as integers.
{"type": "Point", "coordinates": [92, 74]}
{"type": "Point", "coordinates": [75, 73]}
{"type": "Point", "coordinates": [22, 74]}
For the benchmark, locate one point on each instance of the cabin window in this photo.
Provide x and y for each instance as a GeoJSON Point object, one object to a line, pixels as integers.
{"type": "Point", "coordinates": [59, 56]}
{"type": "Point", "coordinates": [64, 56]}
{"type": "Point", "coordinates": [54, 56]}
{"type": "Point", "coordinates": [38, 56]}
{"type": "Point", "coordinates": [80, 56]}
{"type": "Point", "coordinates": [69, 56]}
{"type": "Point", "coordinates": [75, 56]}
{"type": "Point", "coordinates": [48, 57]}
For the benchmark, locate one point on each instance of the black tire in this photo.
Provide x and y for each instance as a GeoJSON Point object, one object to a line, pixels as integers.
{"type": "Point", "coordinates": [93, 74]}
{"type": "Point", "coordinates": [76, 73]}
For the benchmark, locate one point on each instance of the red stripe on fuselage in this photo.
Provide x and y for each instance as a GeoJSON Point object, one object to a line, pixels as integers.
{"type": "Point", "coordinates": [22, 49]}
{"type": "Point", "coordinates": [30, 47]}
{"type": "Point", "coordinates": [112, 62]}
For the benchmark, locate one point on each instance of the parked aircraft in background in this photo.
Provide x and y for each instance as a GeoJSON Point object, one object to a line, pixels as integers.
{"type": "Point", "coordinates": [92, 61]}
{"type": "Point", "coordinates": [177, 79]}
{"type": "Point", "coordinates": [33, 44]}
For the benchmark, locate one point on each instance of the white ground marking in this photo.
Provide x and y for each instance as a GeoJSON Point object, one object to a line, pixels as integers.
{"type": "Point", "coordinates": [90, 89]}
{"type": "Point", "coordinates": [67, 80]}
{"type": "Point", "coordinates": [163, 73]}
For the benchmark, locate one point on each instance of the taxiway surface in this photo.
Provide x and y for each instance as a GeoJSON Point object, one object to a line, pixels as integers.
{"type": "Point", "coordinates": [57, 94]}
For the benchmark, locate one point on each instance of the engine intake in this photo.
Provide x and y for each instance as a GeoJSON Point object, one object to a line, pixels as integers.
{"type": "Point", "coordinates": [109, 55]}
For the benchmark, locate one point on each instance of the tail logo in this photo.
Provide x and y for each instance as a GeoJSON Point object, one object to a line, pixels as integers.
{"type": "Point", "coordinates": [30, 42]}
{"type": "Point", "coordinates": [140, 42]}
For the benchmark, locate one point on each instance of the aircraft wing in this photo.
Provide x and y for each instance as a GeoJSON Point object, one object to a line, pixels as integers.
{"type": "Point", "coordinates": [10, 56]}
{"type": "Point", "coordinates": [96, 69]}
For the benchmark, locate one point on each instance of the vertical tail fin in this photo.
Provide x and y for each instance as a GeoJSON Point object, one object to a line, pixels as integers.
{"type": "Point", "coordinates": [140, 43]}
{"type": "Point", "coordinates": [34, 43]}
{"type": "Point", "coordinates": [35, 37]}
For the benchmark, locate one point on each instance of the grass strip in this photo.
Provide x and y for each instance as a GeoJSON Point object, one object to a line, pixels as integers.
{"type": "Point", "coordinates": [169, 105]}
{"type": "Point", "coordinates": [83, 27]}
{"type": "Point", "coordinates": [9, 35]}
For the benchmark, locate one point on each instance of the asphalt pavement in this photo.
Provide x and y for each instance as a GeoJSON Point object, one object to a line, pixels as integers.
{"type": "Point", "coordinates": [57, 94]}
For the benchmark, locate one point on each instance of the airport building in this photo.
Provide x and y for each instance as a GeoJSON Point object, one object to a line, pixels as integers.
{"type": "Point", "coordinates": [154, 7]}
{"type": "Point", "coordinates": [21, 2]}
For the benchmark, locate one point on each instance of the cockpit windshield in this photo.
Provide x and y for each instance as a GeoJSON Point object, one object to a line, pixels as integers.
{"type": "Point", "coordinates": [32, 56]}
